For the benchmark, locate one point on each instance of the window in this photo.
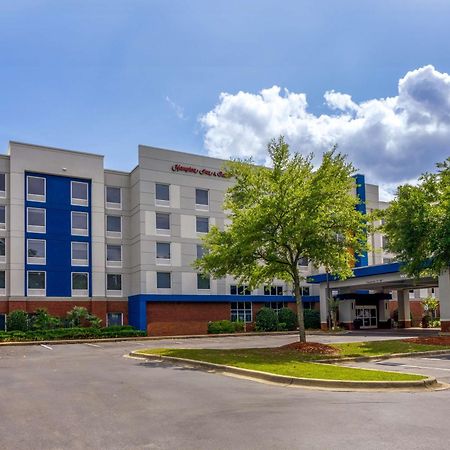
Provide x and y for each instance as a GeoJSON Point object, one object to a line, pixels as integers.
{"type": "Point", "coordinates": [240, 290]}
{"type": "Point", "coordinates": [241, 311]}
{"type": "Point", "coordinates": [36, 220]}
{"type": "Point", "coordinates": [2, 280]}
{"type": "Point", "coordinates": [162, 221]}
{"type": "Point", "coordinates": [114, 226]}
{"type": "Point", "coordinates": [273, 290]}
{"type": "Point", "coordinates": [2, 322]}
{"type": "Point", "coordinates": [304, 290]}
{"type": "Point", "coordinates": [303, 262]}
{"type": "Point", "coordinates": [79, 193]}
{"type": "Point", "coordinates": [114, 282]}
{"type": "Point", "coordinates": [36, 189]}
{"type": "Point", "coordinates": [114, 319]}
{"type": "Point", "coordinates": [80, 284]}
{"type": "Point", "coordinates": [2, 217]}
{"type": "Point", "coordinates": [2, 250]}
{"type": "Point", "coordinates": [113, 197]}
{"type": "Point", "coordinates": [388, 260]}
{"type": "Point", "coordinates": [36, 251]}
{"type": "Point", "coordinates": [201, 197]}
{"type": "Point", "coordinates": [276, 306]}
{"type": "Point", "coordinates": [114, 255]}
{"type": "Point", "coordinates": [80, 223]}
{"type": "Point", "coordinates": [36, 283]}
{"type": "Point", "coordinates": [2, 186]}
{"type": "Point", "coordinates": [80, 253]}
{"type": "Point", "coordinates": [162, 192]}
{"type": "Point", "coordinates": [200, 251]}
{"type": "Point", "coordinates": [163, 280]}
{"type": "Point", "coordinates": [202, 225]}
{"type": "Point", "coordinates": [163, 250]}
{"type": "Point", "coordinates": [384, 242]}
{"type": "Point", "coordinates": [203, 281]}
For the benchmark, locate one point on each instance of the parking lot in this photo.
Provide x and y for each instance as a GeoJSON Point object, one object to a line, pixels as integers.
{"type": "Point", "coordinates": [83, 396]}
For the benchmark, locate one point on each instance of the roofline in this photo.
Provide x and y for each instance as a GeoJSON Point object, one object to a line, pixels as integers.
{"type": "Point", "coordinates": [78, 152]}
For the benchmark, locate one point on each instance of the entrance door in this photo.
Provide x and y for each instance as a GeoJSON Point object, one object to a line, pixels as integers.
{"type": "Point", "coordinates": [367, 315]}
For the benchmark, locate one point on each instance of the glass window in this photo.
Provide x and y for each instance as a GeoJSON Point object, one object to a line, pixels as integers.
{"type": "Point", "coordinates": [241, 311]}
{"type": "Point", "coordinates": [304, 290]}
{"type": "Point", "coordinates": [273, 290]}
{"type": "Point", "coordinates": [79, 193]}
{"type": "Point", "coordinates": [240, 290]}
{"type": "Point", "coordinates": [3, 215]}
{"type": "Point", "coordinates": [163, 250]}
{"type": "Point", "coordinates": [163, 280]}
{"type": "Point", "coordinates": [202, 224]}
{"type": "Point", "coordinates": [36, 218]}
{"type": "Point", "coordinates": [2, 182]}
{"type": "Point", "coordinates": [80, 251]}
{"type": "Point", "coordinates": [275, 305]}
{"type": "Point", "coordinates": [200, 251]}
{"type": "Point", "coordinates": [2, 247]}
{"type": "Point", "coordinates": [36, 248]}
{"type": "Point", "coordinates": [114, 223]}
{"type": "Point", "coordinates": [162, 192]}
{"type": "Point", "coordinates": [162, 221]}
{"type": "Point", "coordinates": [2, 279]}
{"type": "Point", "coordinates": [79, 223]}
{"type": "Point", "coordinates": [114, 319]}
{"type": "Point", "coordinates": [113, 195]}
{"type": "Point", "coordinates": [203, 281]}
{"type": "Point", "coordinates": [80, 281]}
{"type": "Point", "coordinates": [384, 242]}
{"type": "Point", "coordinates": [36, 280]}
{"type": "Point", "coordinates": [113, 253]}
{"type": "Point", "coordinates": [304, 262]}
{"type": "Point", "coordinates": [113, 282]}
{"type": "Point", "coordinates": [201, 197]}
{"type": "Point", "coordinates": [36, 186]}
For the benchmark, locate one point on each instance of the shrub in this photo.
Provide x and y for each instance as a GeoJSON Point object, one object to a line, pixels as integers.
{"type": "Point", "coordinates": [266, 320]}
{"type": "Point", "coordinates": [312, 318]}
{"type": "Point", "coordinates": [222, 326]}
{"type": "Point", "coordinates": [42, 320]}
{"type": "Point", "coordinates": [239, 326]}
{"type": "Point", "coordinates": [289, 318]}
{"type": "Point", "coordinates": [17, 321]}
{"type": "Point", "coordinates": [77, 315]}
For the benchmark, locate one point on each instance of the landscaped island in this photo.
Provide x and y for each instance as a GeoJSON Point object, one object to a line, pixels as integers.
{"type": "Point", "coordinates": [289, 361]}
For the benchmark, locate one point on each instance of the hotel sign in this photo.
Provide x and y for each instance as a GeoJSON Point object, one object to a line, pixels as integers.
{"type": "Point", "coordinates": [195, 170]}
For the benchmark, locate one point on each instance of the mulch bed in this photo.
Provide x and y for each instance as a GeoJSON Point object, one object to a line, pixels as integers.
{"type": "Point", "coordinates": [434, 340]}
{"type": "Point", "coordinates": [311, 347]}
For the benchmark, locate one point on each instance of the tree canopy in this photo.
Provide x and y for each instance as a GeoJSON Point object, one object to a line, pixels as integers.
{"type": "Point", "coordinates": [282, 214]}
{"type": "Point", "coordinates": [417, 223]}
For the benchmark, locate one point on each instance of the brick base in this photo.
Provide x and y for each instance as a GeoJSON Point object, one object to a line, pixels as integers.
{"type": "Point", "coordinates": [445, 326]}
{"type": "Point", "coordinates": [323, 326]}
{"type": "Point", "coordinates": [60, 308]}
{"type": "Point", "coordinates": [404, 324]}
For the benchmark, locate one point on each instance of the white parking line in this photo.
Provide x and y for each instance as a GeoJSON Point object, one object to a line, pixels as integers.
{"type": "Point", "coordinates": [46, 346]}
{"type": "Point", "coordinates": [94, 345]}
{"type": "Point", "coordinates": [420, 367]}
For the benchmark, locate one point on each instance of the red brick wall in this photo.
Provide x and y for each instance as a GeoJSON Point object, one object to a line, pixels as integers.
{"type": "Point", "coordinates": [61, 308]}
{"type": "Point", "coordinates": [170, 319]}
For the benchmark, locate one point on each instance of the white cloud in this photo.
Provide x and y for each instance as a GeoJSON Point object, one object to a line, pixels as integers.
{"type": "Point", "coordinates": [392, 140]}
{"type": "Point", "coordinates": [179, 111]}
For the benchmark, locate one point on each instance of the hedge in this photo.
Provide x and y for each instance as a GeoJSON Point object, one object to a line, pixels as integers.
{"type": "Point", "coordinates": [312, 319]}
{"type": "Point", "coordinates": [224, 327]}
{"type": "Point", "coordinates": [71, 333]}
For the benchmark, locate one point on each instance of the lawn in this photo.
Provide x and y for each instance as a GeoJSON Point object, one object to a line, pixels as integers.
{"type": "Point", "coordinates": [283, 362]}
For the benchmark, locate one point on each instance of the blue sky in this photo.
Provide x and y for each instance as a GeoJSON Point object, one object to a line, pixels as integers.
{"type": "Point", "coordinates": [104, 76]}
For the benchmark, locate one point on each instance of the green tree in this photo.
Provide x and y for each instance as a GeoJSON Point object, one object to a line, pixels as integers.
{"type": "Point", "coordinates": [282, 214]}
{"type": "Point", "coordinates": [417, 223]}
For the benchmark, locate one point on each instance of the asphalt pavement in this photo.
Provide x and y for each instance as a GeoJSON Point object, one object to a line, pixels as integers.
{"type": "Point", "coordinates": [89, 396]}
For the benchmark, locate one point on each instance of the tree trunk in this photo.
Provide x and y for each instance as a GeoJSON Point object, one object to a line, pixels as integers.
{"type": "Point", "coordinates": [300, 316]}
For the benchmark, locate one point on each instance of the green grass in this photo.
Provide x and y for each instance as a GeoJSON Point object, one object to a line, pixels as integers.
{"type": "Point", "coordinates": [282, 362]}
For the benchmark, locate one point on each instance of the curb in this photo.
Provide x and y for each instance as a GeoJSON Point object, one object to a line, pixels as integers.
{"type": "Point", "coordinates": [383, 357]}
{"type": "Point", "coordinates": [160, 338]}
{"type": "Point", "coordinates": [345, 385]}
